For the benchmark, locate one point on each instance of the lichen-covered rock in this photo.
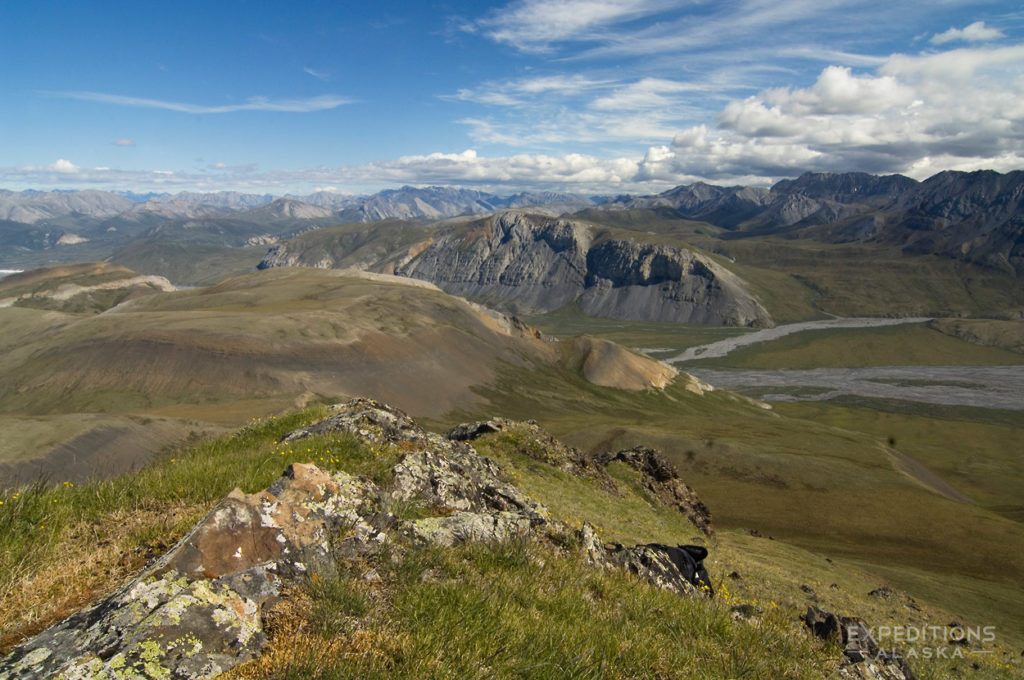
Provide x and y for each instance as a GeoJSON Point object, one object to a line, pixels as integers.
{"type": "Point", "coordinates": [377, 423]}
{"type": "Point", "coordinates": [533, 441]}
{"type": "Point", "coordinates": [661, 478]}
{"type": "Point", "coordinates": [663, 566]}
{"type": "Point", "coordinates": [461, 480]}
{"type": "Point", "coordinates": [197, 611]}
{"type": "Point", "coordinates": [463, 527]}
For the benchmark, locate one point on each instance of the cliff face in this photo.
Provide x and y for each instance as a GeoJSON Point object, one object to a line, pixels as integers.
{"type": "Point", "coordinates": [526, 263]}
{"type": "Point", "coordinates": [516, 261]}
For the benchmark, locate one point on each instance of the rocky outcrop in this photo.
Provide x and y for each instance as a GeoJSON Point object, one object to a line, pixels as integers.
{"type": "Point", "coordinates": [511, 261]}
{"type": "Point", "coordinates": [530, 264]}
{"type": "Point", "coordinates": [200, 609]}
{"type": "Point", "coordinates": [862, 657]}
{"type": "Point", "coordinates": [661, 478]}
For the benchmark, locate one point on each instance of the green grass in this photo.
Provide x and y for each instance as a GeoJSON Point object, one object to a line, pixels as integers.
{"type": "Point", "coordinates": [981, 460]}
{"type": "Point", "coordinates": [902, 345]}
{"type": "Point", "coordinates": [43, 525]}
{"type": "Point", "coordinates": [826, 486]}
{"type": "Point", "coordinates": [569, 322]}
{"type": "Point", "coordinates": [524, 611]}
{"type": "Point", "coordinates": [869, 280]}
{"type": "Point", "coordinates": [192, 264]}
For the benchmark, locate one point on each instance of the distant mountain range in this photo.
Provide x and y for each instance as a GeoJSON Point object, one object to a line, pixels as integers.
{"type": "Point", "coordinates": [977, 216]}
{"type": "Point", "coordinates": [41, 207]}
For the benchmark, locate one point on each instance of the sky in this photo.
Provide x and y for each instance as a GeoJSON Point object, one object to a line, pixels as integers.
{"type": "Point", "coordinates": [583, 96]}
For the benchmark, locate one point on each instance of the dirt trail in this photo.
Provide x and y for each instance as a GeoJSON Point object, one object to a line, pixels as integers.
{"type": "Point", "coordinates": [922, 474]}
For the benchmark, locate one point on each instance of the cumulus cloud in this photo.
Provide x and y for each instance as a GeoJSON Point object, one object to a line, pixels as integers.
{"type": "Point", "coordinates": [976, 32]}
{"type": "Point", "coordinates": [124, 141]}
{"type": "Point", "coordinates": [917, 115]}
{"type": "Point", "coordinates": [321, 103]}
{"type": "Point", "coordinates": [64, 166]}
{"type": "Point", "coordinates": [913, 114]}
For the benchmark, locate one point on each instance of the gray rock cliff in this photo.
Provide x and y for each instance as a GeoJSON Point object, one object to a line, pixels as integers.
{"type": "Point", "coordinates": [530, 264]}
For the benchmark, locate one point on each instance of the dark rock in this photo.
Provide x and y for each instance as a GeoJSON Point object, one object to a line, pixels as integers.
{"type": "Point", "coordinates": [862, 658]}
{"type": "Point", "coordinates": [470, 431]}
{"type": "Point", "coordinates": [672, 568]}
{"type": "Point", "coordinates": [661, 478]}
{"type": "Point", "coordinates": [823, 625]}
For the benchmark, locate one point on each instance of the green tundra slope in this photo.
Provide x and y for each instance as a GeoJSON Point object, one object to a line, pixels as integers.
{"type": "Point", "coordinates": [525, 608]}
{"type": "Point", "coordinates": [867, 489]}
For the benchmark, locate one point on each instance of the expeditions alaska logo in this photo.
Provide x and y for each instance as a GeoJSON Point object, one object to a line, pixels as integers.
{"type": "Point", "coordinates": [924, 642]}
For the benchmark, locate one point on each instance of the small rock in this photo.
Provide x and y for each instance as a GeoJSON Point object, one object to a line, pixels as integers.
{"type": "Point", "coordinates": [742, 612]}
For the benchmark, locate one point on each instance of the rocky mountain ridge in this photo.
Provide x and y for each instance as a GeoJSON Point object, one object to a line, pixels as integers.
{"type": "Point", "coordinates": [33, 207]}
{"type": "Point", "coordinates": [977, 216]}
{"type": "Point", "coordinates": [527, 263]}
{"type": "Point", "coordinates": [972, 216]}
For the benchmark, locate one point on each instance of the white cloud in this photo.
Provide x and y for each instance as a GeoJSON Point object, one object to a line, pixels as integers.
{"type": "Point", "coordinates": [551, 111]}
{"type": "Point", "coordinates": [64, 166]}
{"type": "Point", "coordinates": [531, 25]}
{"type": "Point", "coordinates": [517, 92]}
{"type": "Point", "coordinates": [917, 115]}
{"type": "Point", "coordinates": [838, 91]}
{"type": "Point", "coordinates": [646, 93]}
{"type": "Point", "coordinates": [319, 75]}
{"type": "Point", "coordinates": [124, 142]}
{"type": "Point", "coordinates": [573, 172]}
{"type": "Point", "coordinates": [320, 103]}
{"type": "Point", "coordinates": [976, 32]}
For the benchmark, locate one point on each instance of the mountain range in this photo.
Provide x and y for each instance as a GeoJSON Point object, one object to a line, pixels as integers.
{"type": "Point", "coordinates": [975, 216]}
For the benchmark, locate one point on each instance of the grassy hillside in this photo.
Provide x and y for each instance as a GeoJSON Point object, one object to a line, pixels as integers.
{"type": "Point", "coordinates": [903, 345]}
{"type": "Point", "coordinates": [525, 609]}
{"type": "Point", "coordinates": [189, 264]}
{"type": "Point", "coordinates": [835, 490]}
{"type": "Point", "coordinates": [866, 489]}
{"type": "Point", "coordinates": [258, 344]}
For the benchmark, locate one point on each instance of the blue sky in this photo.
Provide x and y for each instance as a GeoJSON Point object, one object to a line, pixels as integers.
{"type": "Point", "coordinates": [570, 95]}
